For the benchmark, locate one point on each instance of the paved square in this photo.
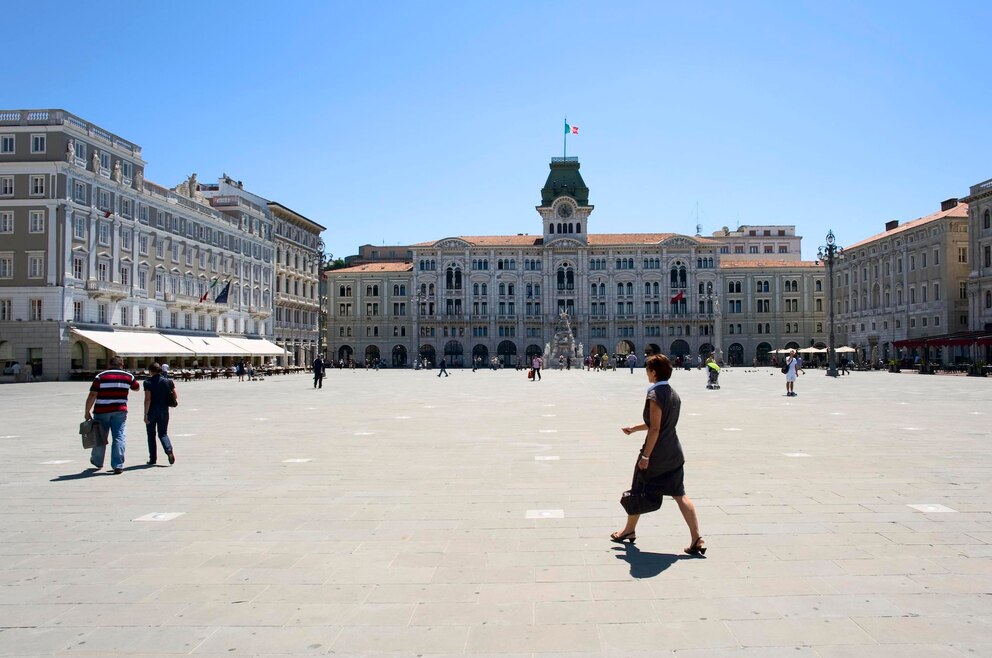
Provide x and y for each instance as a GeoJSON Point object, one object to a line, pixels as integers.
{"type": "Point", "coordinates": [387, 513]}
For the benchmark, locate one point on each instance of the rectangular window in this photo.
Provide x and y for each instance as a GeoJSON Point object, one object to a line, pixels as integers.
{"type": "Point", "coordinates": [142, 279]}
{"type": "Point", "coordinates": [126, 239]}
{"type": "Point", "coordinates": [143, 245]}
{"type": "Point", "coordinates": [125, 275]}
{"type": "Point", "coordinates": [77, 311]}
{"type": "Point", "coordinates": [962, 254]}
{"type": "Point", "coordinates": [38, 143]}
{"type": "Point", "coordinates": [36, 221]}
{"type": "Point", "coordinates": [7, 221]}
{"type": "Point", "coordinates": [36, 310]}
{"type": "Point", "coordinates": [103, 271]}
{"type": "Point", "coordinates": [141, 317]}
{"type": "Point", "coordinates": [77, 267]}
{"type": "Point", "coordinates": [37, 187]}
{"type": "Point", "coordinates": [936, 257]}
{"type": "Point", "coordinates": [102, 199]}
{"type": "Point", "coordinates": [6, 266]}
{"type": "Point", "coordinates": [6, 143]}
{"type": "Point", "coordinates": [101, 313]}
{"type": "Point", "coordinates": [127, 207]}
{"type": "Point", "coordinates": [125, 316]}
{"type": "Point", "coordinates": [752, 249]}
{"type": "Point", "coordinates": [5, 310]}
{"type": "Point", "coordinates": [79, 191]}
{"type": "Point", "coordinates": [6, 186]}
{"type": "Point", "coordinates": [104, 234]}
{"type": "Point", "coordinates": [36, 267]}
{"type": "Point", "coordinates": [80, 151]}
{"type": "Point", "coordinates": [104, 162]}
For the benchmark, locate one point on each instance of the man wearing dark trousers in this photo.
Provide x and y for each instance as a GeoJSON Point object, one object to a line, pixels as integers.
{"type": "Point", "coordinates": [318, 372]}
{"type": "Point", "coordinates": [442, 368]}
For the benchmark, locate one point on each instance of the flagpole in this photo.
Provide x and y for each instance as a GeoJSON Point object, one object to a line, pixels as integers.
{"type": "Point", "coordinates": [564, 142]}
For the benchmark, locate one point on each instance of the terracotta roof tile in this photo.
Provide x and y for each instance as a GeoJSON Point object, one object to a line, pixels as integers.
{"type": "Point", "coordinates": [960, 210]}
{"type": "Point", "coordinates": [374, 267]}
{"type": "Point", "coordinates": [594, 240]}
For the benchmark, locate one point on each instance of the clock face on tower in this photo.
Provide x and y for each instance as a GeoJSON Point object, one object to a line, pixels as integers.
{"type": "Point", "coordinates": [564, 211]}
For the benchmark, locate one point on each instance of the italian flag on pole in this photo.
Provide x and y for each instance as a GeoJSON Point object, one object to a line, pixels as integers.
{"type": "Point", "coordinates": [574, 130]}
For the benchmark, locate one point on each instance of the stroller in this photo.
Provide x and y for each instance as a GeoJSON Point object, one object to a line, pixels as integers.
{"type": "Point", "coordinates": [713, 377]}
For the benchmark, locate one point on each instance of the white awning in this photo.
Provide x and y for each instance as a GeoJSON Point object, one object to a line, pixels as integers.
{"type": "Point", "coordinates": [257, 346]}
{"type": "Point", "coordinates": [133, 343]}
{"type": "Point", "coordinates": [207, 345]}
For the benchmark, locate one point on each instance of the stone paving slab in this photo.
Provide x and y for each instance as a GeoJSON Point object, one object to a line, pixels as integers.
{"type": "Point", "coordinates": [395, 513]}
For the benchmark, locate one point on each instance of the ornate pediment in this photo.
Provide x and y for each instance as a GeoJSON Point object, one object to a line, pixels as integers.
{"type": "Point", "coordinates": [451, 243]}
{"type": "Point", "coordinates": [679, 241]}
{"type": "Point", "coordinates": [563, 243]}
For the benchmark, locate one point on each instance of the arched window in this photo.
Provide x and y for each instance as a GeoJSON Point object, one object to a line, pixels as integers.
{"type": "Point", "coordinates": [566, 277]}
{"type": "Point", "coordinates": [630, 288]}
{"type": "Point", "coordinates": [619, 288]}
{"type": "Point", "coordinates": [578, 226]}
{"type": "Point", "coordinates": [430, 290]}
{"type": "Point", "coordinates": [341, 291]}
{"type": "Point", "coordinates": [656, 288]}
{"type": "Point", "coordinates": [551, 228]}
{"type": "Point", "coordinates": [987, 219]}
{"type": "Point", "coordinates": [502, 288]}
{"type": "Point", "coordinates": [647, 288]}
{"type": "Point", "coordinates": [988, 299]}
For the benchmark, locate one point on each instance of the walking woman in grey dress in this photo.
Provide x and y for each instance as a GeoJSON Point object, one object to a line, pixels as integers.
{"type": "Point", "coordinates": [660, 462]}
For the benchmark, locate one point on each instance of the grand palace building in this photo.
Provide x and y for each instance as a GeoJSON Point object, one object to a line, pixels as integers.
{"type": "Point", "coordinates": [569, 290]}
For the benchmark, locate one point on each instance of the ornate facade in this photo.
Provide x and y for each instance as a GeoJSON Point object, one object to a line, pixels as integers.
{"type": "Point", "coordinates": [95, 259]}
{"type": "Point", "coordinates": [739, 294]}
{"type": "Point", "coordinates": [905, 283]}
{"type": "Point", "coordinates": [979, 202]}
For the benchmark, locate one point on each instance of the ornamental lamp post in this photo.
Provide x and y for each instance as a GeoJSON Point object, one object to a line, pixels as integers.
{"type": "Point", "coordinates": [827, 254]}
{"type": "Point", "coordinates": [418, 298]}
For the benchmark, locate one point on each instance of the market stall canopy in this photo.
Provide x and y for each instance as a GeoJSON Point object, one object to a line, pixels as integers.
{"type": "Point", "coordinates": [844, 349]}
{"type": "Point", "coordinates": [257, 346]}
{"type": "Point", "coordinates": [810, 350]}
{"type": "Point", "coordinates": [134, 343]}
{"type": "Point", "coordinates": [207, 345]}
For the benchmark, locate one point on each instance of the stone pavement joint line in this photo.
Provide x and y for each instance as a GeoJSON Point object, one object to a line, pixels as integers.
{"type": "Point", "coordinates": [394, 516]}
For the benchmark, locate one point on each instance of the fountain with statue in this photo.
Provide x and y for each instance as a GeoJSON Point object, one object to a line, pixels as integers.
{"type": "Point", "coordinates": [563, 343]}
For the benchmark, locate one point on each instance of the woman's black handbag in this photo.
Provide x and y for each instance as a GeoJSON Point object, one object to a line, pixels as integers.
{"type": "Point", "coordinates": [639, 500]}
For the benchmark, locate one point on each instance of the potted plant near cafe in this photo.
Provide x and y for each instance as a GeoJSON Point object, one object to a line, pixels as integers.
{"type": "Point", "coordinates": [977, 369]}
{"type": "Point", "coordinates": [894, 365]}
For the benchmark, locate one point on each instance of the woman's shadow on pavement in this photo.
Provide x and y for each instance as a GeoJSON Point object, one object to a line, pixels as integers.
{"type": "Point", "coordinates": [644, 564]}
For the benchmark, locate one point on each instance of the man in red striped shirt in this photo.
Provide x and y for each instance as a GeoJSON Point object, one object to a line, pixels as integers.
{"type": "Point", "coordinates": [108, 402]}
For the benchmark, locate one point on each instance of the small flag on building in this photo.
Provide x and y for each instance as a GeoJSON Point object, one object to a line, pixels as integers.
{"type": "Point", "coordinates": [679, 297]}
{"type": "Point", "coordinates": [222, 295]}
{"type": "Point", "coordinates": [571, 130]}
{"type": "Point", "coordinates": [213, 282]}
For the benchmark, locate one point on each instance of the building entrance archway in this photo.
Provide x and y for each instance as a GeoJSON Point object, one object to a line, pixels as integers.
{"type": "Point", "coordinates": [735, 355]}
{"type": "Point", "coordinates": [399, 357]}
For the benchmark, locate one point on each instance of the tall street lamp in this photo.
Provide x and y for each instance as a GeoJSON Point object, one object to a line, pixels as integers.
{"type": "Point", "coordinates": [827, 254]}
{"type": "Point", "coordinates": [416, 299]}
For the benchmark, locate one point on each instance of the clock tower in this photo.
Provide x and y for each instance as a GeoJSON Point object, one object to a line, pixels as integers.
{"type": "Point", "coordinates": [565, 205]}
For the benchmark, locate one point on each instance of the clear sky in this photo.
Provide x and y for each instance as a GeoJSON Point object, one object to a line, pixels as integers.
{"type": "Point", "coordinates": [401, 122]}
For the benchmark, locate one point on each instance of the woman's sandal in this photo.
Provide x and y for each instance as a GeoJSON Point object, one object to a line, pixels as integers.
{"type": "Point", "coordinates": [696, 548]}
{"type": "Point", "coordinates": [618, 538]}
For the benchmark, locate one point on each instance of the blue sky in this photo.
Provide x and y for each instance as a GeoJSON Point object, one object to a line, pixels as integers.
{"type": "Point", "coordinates": [401, 122]}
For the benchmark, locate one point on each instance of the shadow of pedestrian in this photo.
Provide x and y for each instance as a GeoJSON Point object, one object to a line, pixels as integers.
{"type": "Point", "coordinates": [644, 564]}
{"type": "Point", "coordinates": [93, 472]}
{"type": "Point", "coordinates": [88, 473]}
